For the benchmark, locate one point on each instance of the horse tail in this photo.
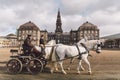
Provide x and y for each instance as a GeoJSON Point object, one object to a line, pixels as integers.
{"type": "Point", "coordinates": [56, 54]}
{"type": "Point", "coordinates": [53, 54]}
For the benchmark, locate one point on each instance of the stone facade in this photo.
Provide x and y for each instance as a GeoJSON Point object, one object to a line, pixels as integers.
{"type": "Point", "coordinates": [12, 40]}
{"type": "Point", "coordinates": [4, 42]}
{"type": "Point", "coordinates": [87, 29]}
{"type": "Point", "coordinates": [8, 41]}
{"type": "Point", "coordinates": [28, 28]}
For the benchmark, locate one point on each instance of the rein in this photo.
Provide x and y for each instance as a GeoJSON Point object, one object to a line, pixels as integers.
{"type": "Point", "coordinates": [83, 45]}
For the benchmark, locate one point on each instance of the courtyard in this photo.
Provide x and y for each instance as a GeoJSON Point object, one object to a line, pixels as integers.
{"type": "Point", "coordinates": [105, 66]}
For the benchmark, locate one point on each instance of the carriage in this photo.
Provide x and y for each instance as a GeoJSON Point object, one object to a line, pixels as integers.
{"type": "Point", "coordinates": [30, 62]}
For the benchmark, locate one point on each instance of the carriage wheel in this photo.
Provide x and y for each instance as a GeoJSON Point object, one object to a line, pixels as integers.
{"type": "Point", "coordinates": [14, 66]}
{"type": "Point", "coordinates": [35, 66]}
{"type": "Point", "coordinates": [44, 61]}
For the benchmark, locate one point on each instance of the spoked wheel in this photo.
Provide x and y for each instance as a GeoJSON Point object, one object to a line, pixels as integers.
{"type": "Point", "coordinates": [44, 61]}
{"type": "Point", "coordinates": [14, 66]}
{"type": "Point", "coordinates": [35, 66]}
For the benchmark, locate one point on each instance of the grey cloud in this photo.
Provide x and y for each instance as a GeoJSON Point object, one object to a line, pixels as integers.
{"type": "Point", "coordinates": [86, 7]}
{"type": "Point", "coordinates": [102, 13]}
{"type": "Point", "coordinates": [18, 12]}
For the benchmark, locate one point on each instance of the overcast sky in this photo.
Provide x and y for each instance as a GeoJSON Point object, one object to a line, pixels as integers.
{"type": "Point", "coordinates": [103, 13]}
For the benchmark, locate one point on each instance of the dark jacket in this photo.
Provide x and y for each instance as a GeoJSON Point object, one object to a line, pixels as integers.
{"type": "Point", "coordinates": [27, 42]}
{"type": "Point", "coordinates": [42, 41]}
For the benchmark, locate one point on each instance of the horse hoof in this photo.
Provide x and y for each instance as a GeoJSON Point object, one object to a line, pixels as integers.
{"type": "Point", "coordinates": [64, 73]}
{"type": "Point", "coordinates": [78, 72]}
{"type": "Point", "coordinates": [56, 69]}
{"type": "Point", "coordinates": [89, 73]}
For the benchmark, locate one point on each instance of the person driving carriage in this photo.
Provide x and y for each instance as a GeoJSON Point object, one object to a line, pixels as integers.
{"type": "Point", "coordinates": [27, 46]}
{"type": "Point", "coordinates": [42, 44]}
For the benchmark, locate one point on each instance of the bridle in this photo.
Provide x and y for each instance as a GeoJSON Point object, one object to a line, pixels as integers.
{"type": "Point", "coordinates": [98, 48]}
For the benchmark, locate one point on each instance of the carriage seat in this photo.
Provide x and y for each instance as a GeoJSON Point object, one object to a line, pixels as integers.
{"type": "Point", "coordinates": [14, 51]}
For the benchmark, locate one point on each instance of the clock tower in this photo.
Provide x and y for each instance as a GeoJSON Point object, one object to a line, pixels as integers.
{"type": "Point", "coordinates": [58, 24]}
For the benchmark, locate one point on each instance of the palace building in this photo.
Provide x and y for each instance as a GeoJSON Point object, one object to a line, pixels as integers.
{"type": "Point", "coordinates": [9, 40]}
{"type": "Point", "coordinates": [28, 28]}
{"type": "Point", "coordinates": [12, 40]}
{"type": "Point", "coordinates": [4, 42]}
{"type": "Point", "coordinates": [87, 29]}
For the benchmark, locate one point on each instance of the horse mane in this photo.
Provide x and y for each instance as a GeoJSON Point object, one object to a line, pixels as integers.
{"type": "Point", "coordinates": [51, 42]}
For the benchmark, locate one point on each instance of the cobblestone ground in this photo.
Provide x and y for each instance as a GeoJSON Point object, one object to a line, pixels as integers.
{"type": "Point", "coordinates": [105, 66]}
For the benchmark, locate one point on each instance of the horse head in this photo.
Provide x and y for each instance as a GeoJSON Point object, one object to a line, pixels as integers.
{"type": "Point", "coordinates": [95, 45]}
{"type": "Point", "coordinates": [91, 44]}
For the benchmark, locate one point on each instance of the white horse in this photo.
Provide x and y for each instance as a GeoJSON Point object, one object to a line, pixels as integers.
{"type": "Point", "coordinates": [72, 51]}
{"type": "Point", "coordinates": [89, 47]}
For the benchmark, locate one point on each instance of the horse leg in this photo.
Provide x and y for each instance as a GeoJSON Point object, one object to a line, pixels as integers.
{"type": "Point", "coordinates": [82, 68]}
{"type": "Point", "coordinates": [52, 67]}
{"type": "Point", "coordinates": [55, 66]}
{"type": "Point", "coordinates": [61, 65]}
{"type": "Point", "coordinates": [88, 63]}
{"type": "Point", "coordinates": [78, 67]}
{"type": "Point", "coordinates": [71, 61]}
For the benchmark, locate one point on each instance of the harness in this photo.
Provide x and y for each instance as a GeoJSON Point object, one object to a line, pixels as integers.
{"type": "Point", "coordinates": [79, 50]}
{"type": "Point", "coordinates": [83, 45]}
{"type": "Point", "coordinates": [51, 53]}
